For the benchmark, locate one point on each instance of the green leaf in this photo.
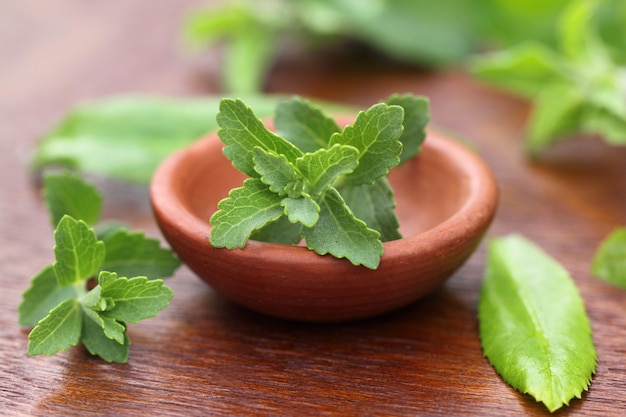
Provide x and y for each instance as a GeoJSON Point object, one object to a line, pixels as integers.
{"type": "Point", "coordinates": [279, 231]}
{"type": "Point", "coordinates": [241, 131]}
{"type": "Point", "coordinates": [342, 235]}
{"type": "Point", "coordinates": [524, 69]}
{"type": "Point", "coordinates": [97, 343]}
{"type": "Point", "coordinates": [277, 173]}
{"type": "Point", "coordinates": [575, 28]}
{"type": "Point", "coordinates": [558, 111]}
{"type": "Point", "coordinates": [246, 209]}
{"type": "Point", "coordinates": [324, 166]}
{"type": "Point", "coordinates": [375, 205]}
{"type": "Point", "coordinates": [133, 299]}
{"type": "Point", "coordinates": [67, 193]}
{"type": "Point", "coordinates": [533, 325]}
{"type": "Point", "coordinates": [304, 124]}
{"type": "Point", "coordinates": [301, 210]}
{"type": "Point", "coordinates": [78, 253]}
{"type": "Point", "coordinates": [134, 254]}
{"type": "Point", "coordinates": [56, 332]}
{"type": "Point", "coordinates": [416, 117]}
{"type": "Point", "coordinates": [44, 294]}
{"type": "Point", "coordinates": [112, 329]}
{"type": "Point", "coordinates": [374, 134]}
{"type": "Point", "coordinates": [127, 137]}
{"type": "Point", "coordinates": [609, 262]}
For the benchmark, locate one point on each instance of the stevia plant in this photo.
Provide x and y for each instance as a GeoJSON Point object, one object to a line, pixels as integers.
{"type": "Point", "coordinates": [313, 180]}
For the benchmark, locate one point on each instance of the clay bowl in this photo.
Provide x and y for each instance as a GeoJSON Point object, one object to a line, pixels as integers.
{"type": "Point", "coordinates": [446, 200]}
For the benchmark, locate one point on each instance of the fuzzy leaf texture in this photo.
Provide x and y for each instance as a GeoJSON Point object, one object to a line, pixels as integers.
{"type": "Point", "coordinates": [532, 322]}
{"type": "Point", "coordinates": [609, 262]}
{"type": "Point", "coordinates": [78, 252]}
{"type": "Point", "coordinates": [375, 205]}
{"type": "Point", "coordinates": [133, 299]}
{"type": "Point", "coordinates": [245, 210]}
{"type": "Point", "coordinates": [375, 135]}
{"type": "Point", "coordinates": [67, 193]}
{"type": "Point", "coordinates": [416, 117]}
{"type": "Point", "coordinates": [59, 330]}
{"type": "Point", "coordinates": [242, 131]}
{"type": "Point", "coordinates": [304, 124]}
{"type": "Point", "coordinates": [44, 294]}
{"type": "Point", "coordinates": [134, 254]}
{"type": "Point", "coordinates": [278, 173]}
{"type": "Point", "coordinates": [323, 167]}
{"type": "Point", "coordinates": [342, 235]}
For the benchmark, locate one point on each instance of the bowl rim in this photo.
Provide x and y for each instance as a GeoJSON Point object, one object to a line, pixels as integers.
{"type": "Point", "coordinates": [477, 209]}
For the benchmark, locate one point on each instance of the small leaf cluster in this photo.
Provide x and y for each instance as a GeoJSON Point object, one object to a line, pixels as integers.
{"type": "Point", "coordinates": [578, 88]}
{"type": "Point", "coordinates": [60, 303]}
{"type": "Point", "coordinates": [313, 180]}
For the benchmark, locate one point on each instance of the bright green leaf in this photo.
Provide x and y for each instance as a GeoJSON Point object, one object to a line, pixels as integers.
{"type": "Point", "coordinates": [278, 173]}
{"type": "Point", "coordinates": [324, 166]}
{"type": "Point", "coordinates": [416, 117]}
{"type": "Point", "coordinates": [524, 69]}
{"type": "Point", "coordinates": [112, 329]}
{"type": "Point", "coordinates": [375, 205]}
{"type": "Point", "coordinates": [304, 124]}
{"type": "Point", "coordinates": [301, 210]}
{"type": "Point", "coordinates": [609, 262]}
{"type": "Point", "coordinates": [533, 325]}
{"type": "Point", "coordinates": [241, 131]}
{"type": "Point", "coordinates": [133, 254]}
{"type": "Point", "coordinates": [374, 134]}
{"type": "Point", "coordinates": [67, 193]}
{"type": "Point", "coordinates": [558, 111]}
{"type": "Point", "coordinates": [279, 231]}
{"type": "Point", "coordinates": [44, 294]}
{"type": "Point", "coordinates": [126, 137]}
{"type": "Point", "coordinates": [342, 235]}
{"type": "Point", "coordinates": [59, 330]}
{"type": "Point", "coordinates": [97, 343]}
{"type": "Point", "coordinates": [246, 209]}
{"type": "Point", "coordinates": [78, 253]}
{"type": "Point", "coordinates": [574, 29]}
{"type": "Point", "coordinates": [134, 299]}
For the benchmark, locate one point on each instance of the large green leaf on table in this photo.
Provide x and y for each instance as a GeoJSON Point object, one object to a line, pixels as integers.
{"type": "Point", "coordinates": [375, 205]}
{"type": "Point", "coordinates": [304, 124]}
{"type": "Point", "coordinates": [342, 235]}
{"type": "Point", "coordinates": [132, 254]}
{"type": "Point", "coordinates": [609, 263]}
{"type": "Point", "coordinates": [78, 252]}
{"type": "Point", "coordinates": [126, 137]}
{"type": "Point", "coordinates": [375, 135]}
{"type": "Point", "coordinates": [59, 330]}
{"type": "Point", "coordinates": [533, 325]}
{"type": "Point", "coordinates": [44, 294]}
{"type": "Point", "coordinates": [67, 193]}
{"type": "Point", "coordinates": [245, 210]}
{"type": "Point", "coordinates": [242, 131]}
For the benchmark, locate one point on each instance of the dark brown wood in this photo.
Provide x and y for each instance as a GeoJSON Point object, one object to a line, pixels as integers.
{"type": "Point", "coordinates": [206, 356]}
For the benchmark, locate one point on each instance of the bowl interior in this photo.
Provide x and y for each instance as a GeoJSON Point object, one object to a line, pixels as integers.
{"type": "Point", "coordinates": [429, 189]}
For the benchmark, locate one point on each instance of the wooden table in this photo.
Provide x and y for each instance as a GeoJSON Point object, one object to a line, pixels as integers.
{"type": "Point", "coordinates": [206, 356]}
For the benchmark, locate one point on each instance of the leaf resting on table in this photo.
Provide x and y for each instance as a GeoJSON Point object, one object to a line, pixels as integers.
{"type": "Point", "coordinates": [533, 325]}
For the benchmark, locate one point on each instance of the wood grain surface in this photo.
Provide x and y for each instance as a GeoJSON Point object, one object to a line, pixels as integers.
{"type": "Point", "coordinates": [206, 356]}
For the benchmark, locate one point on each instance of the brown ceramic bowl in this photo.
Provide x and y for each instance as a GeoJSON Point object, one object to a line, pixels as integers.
{"type": "Point", "coordinates": [446, 199]}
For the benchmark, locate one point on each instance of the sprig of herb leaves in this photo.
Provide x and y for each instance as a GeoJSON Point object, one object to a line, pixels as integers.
{"type": "Point", "coordinates": [313, 180]}
{"type": "Point", "coordinates": [60, 304]}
